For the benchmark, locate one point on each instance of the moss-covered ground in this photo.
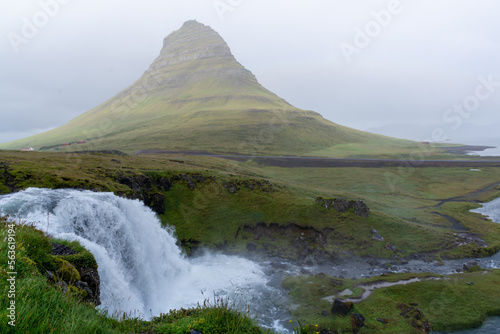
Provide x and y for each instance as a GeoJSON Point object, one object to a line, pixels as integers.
{"type": "Point", "coordinates": [448, 303]}
{"type": "Point", "coordinates": [233, 198]}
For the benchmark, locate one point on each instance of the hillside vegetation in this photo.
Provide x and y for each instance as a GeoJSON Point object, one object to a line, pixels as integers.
{"type": "Point", "coordinates": [237, 206]}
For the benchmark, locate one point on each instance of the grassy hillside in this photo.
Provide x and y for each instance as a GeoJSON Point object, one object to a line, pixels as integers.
{"type": "Point", "coordinates": [226, 205]}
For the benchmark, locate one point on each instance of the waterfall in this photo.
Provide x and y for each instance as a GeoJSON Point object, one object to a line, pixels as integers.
{"type": "Point", "coordinates": [143, 272]}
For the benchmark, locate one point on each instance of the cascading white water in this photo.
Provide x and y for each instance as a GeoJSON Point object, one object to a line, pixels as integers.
{"type": "Point", "coordinates": [143, 272]}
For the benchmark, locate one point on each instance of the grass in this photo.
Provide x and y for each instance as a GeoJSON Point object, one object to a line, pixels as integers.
{"type": "Point", "coordinates": [448, 302]}
{"type": "Point", "coordinates": [42, 307]}
{"type": "Point", "coordinates": [212, 216]}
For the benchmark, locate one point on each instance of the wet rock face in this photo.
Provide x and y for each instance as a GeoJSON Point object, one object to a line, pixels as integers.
{"type": "Point", "coordinates": [91, 283]}
{"type": "Point", "coordinates": [343, 205]}
{"type": "Point", "coordinates": [143, 189]}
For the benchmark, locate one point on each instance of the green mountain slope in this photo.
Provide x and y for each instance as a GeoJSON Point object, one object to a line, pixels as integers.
{"type": "Point", "coordinates": [196, 96]}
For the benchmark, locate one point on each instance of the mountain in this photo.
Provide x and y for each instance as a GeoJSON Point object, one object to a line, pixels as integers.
{"type": "Point", "coordinates": [196, 96]}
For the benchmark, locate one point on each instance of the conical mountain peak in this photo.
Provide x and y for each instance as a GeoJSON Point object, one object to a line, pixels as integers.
{"type": "Point", "coordinates": [196, 96]}
{"type": "Point", "coordinates": [193, 53]}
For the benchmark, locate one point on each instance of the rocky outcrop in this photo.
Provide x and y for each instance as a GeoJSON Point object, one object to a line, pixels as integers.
{"type": "Point", "coordinates": [296, 243]}
{"type": "Point", "coordinates": [7, 178]}
{"type": "Point", "coordinates": [151, 189]}
{"type": "Point", "coordinates": [343, 205]}
{"type": "Point", "coordinates": [76, 273]}
{"type": "Point", "coordinates": [357, 321]}
{"type": "Point", "coordinates": [340, 307]}
{"type": "Point", "coordinates": [471, 266]}
{"type": "Point", "coordinates": [415, 316]}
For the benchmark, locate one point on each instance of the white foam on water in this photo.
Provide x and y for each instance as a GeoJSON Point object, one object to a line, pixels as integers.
{"type": "Point", "coordinates": [143, 272]}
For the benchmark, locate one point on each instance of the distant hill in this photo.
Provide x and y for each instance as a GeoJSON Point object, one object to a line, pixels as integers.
{"type": "Point", "coordinates": [196, 96]}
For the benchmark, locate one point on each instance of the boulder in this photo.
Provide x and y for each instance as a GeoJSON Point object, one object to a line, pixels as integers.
{"type": "Point", "coordinates": [361, 209]}
{"type": "Point", "coordinates": [471, 266]}
{"type": "Point", "coordinates": [340, 307]}
{"type": "Point", "coordinates": [357, 321]}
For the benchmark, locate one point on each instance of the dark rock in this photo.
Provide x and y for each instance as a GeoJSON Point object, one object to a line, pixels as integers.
{"type": "Point", "coordinates": [305, 272]}
{"type": "Point", "coordinates": [190, 182]}
{"type": "Point", "coordinates": [251, 247]}
{"type": "Point", "coordinates": [336, 282]}
{"type": "Point", "coordinates": [59, 249]}
{"type": "Point", "coordinates": [357, 321]}
{"type": "Point", "coordinates": [470, 283]}
{"type": "Point", "coordinates": [416, 317]}
{"type": "Point", "coordinates": [199, 178]}
{"type": "Point", "coordinates": [383, 321]}
{"type": "Point", "coordinates": [90, 278]}
{"type": "Point", "coordinates": [163, 183]}
{"type": "Point", "coordinates": [117, 161]}
{"type": "Point", "coordinates": [341, 205]}
{"type": "Point", "coordinates": [361, 209]}
{"type": "Point", "coordinates": [340, 307]}
{"type": "Point", "coordinates": [63, 285]}
{"type": "Point", "coordinates": [391, 247]}
{"type": "Point", "coordinates": [374, 231]}
{"type": "Point", "coordinates": [326, 331]}
{"type": "Point", "coordinates": [194, 331]}
{"type": "Point", "coordinates": [156, 201]}
{"type": "Point", "coordinates": [232, 188]}
{"type": "Point", "coordinates": [471, 266]}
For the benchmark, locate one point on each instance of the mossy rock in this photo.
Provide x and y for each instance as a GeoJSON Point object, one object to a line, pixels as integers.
{"type": "Point", "coordinates": [66, 271]}
{"type": "Point", "coordinates": [474, 268]}
{"type": "Point", "coordinates": [79, 293]}
{"type": "Point", "coordinates": [83, 258]}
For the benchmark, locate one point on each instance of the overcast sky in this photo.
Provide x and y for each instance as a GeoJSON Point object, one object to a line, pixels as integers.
{"type": "Point", "coordinates": [365, 64]}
